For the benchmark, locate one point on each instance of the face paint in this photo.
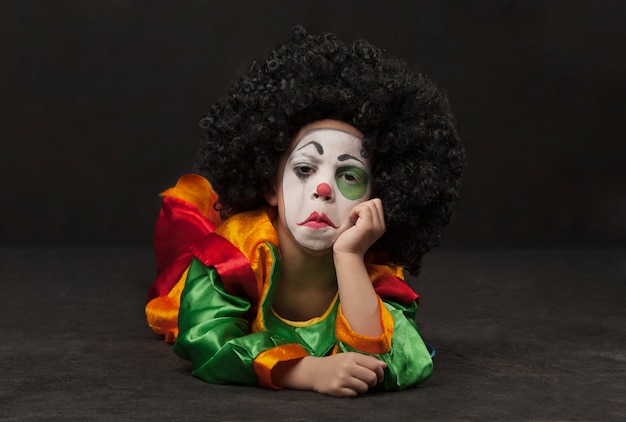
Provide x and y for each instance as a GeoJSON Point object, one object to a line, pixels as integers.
{"type": "Point", "coordinates": [324, 189]}
{"type": "Point", "coordinates": [352, 182]}
{"type": "Point", "coordinates": [323, 177]}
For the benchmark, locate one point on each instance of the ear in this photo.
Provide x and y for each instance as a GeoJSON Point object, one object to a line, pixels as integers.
{"type": "Point", "coordinates": [271, 195]}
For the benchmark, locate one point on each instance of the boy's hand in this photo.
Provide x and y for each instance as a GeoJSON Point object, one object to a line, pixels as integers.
{"type": "Point", "coordinates": [369, 225]}
{"type": "Point", "coordinates": [343, 375]}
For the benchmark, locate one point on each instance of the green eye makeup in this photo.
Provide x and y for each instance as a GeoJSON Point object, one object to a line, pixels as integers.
{"type": "Point", "coordinates": [352, 182]}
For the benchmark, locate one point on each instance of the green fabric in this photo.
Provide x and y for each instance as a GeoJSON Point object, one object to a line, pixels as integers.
{"type": "Point", "coordinates": [216, 337]}
{"type": "Point", "coordinates": [408, 362]}
{"type": "Point", "coordinates": [213, 332]}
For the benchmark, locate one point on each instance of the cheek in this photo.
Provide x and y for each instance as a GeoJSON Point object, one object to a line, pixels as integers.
{"type": "Point", "coordinates": [343, 207]}
{"type": "Point", "coordinates": [292, 188]}
{"type": "Point", "coordinates": [293, 199]}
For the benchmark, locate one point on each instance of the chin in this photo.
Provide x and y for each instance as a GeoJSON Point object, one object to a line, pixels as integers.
{"type": "Point", "coordinates": [317, 248]}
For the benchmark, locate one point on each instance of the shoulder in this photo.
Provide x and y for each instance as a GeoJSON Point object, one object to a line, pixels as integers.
{"type": "Point", "coordinates": [239, 250]}
{"type": "Point", "coordinates": [247, 229]}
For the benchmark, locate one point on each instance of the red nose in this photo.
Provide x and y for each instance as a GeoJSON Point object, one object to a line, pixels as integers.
{"type": "Point", "coordinates": [323, 189]}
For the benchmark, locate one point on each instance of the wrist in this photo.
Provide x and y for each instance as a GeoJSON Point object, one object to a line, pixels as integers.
{"type": "Point", "coordinates": [295, 374]}
{"type": "Point", "coordinates": [348, 256]}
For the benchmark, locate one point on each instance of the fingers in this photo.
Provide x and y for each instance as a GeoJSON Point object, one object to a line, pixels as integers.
{"type": "Point", "coordinates": [368, 220]}
{"type": "Point", "coordinates": [374, 366]}
{"type": "Point", "coordinates": [369, 212]}
{"type": "Point", "coordinates": [350, 374]}
{"type": "Point", "coordinates": [356, 384]}
{"type": "Point", "coordinates": [380, 372]}
{"type": "Point", "coordinates": [378, 214]}
{"type": "Point", "coordinates": [366, 373]}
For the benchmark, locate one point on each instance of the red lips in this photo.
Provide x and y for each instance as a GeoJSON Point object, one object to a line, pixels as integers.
{"type": "Point", "coordinates": [316, 220]}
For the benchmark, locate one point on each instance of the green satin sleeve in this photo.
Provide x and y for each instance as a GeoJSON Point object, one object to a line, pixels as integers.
{"type": "Point", "coordinates": [213, 333]}
{"type": "Point", "coordinates": [408, 361]}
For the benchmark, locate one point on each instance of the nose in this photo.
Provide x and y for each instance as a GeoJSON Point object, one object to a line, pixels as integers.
{"type": "Point", "coordinates": [323, 190]}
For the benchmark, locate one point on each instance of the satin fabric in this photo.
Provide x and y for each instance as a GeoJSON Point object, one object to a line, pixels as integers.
{"type": "Point", "coordinates": [162, 312]}
{"type": "Point", "coordinates": [214, 333]}
{"type": "Point", "coordinates": [233, 266]}
{"type": "Point", "coordinates": [216, 336]}
{"type": "Point", "coordinates": [186, 227]}
{"type": "Point", "coordinates": [186, 216]}
{"type": "Point", "coordinates": [408, 360]}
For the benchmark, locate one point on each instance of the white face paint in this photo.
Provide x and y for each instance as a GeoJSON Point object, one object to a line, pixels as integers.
{"type": "Point", "coordinates": [324, 177]}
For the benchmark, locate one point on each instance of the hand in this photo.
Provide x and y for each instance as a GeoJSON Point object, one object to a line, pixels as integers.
{"type": "Point", "coordinates": [342, 375]}
{"type": "Point", "coordinates": [369, 225]}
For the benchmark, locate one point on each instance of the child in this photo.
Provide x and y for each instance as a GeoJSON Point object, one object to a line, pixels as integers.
{"type": "Point", "coordinates": [335, 166]}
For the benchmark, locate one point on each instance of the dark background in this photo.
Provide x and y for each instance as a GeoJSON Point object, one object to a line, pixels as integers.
{"type": "Point", "coordinates": [99, 110]}
{"type": "Point", "coordinates": [100, 102]}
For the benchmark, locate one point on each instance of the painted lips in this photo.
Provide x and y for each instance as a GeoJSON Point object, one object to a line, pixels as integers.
{"type": "Point", "coordinates": [317, 221]}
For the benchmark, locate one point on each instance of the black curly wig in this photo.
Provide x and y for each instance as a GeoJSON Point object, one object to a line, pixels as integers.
{"type": "Point", "coordinates": [409, 134]}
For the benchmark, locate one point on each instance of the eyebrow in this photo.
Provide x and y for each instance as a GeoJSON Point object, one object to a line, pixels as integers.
{"type": "Point", "coordinates": [310, 131]}
{"type": "Point", "coordinates": [320, 151]}
{"type": "Point", "coordinates": [318, 147]}
{"type": "Point", "coordinates": [345, 157]}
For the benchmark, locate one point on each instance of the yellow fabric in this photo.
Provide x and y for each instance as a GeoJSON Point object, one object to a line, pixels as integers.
{"type": "Point", "coordinates": [197, 191]}
{"type": "Point", "coordinates": [311, 321]}
{"type": "Point", "coordinates": [267, 360]}
{"type": "Point", "coordinates": [249, 232]}
{"type": "Point", "coordinates": [374, 345]}
{"type": "Point", "coordinates": [162, 312]}
{"type": "Point", "coordinates": [377, 272]}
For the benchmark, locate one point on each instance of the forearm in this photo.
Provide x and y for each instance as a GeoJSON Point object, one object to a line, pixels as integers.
{"type": "Point", "coordinates": [294, 374]}
{"type": "Point", "coordinates": [343, 374]}
{"type": "Point", "coordinates": [359, 302]}
{"type": "Point", "coordinates": [408, 360]}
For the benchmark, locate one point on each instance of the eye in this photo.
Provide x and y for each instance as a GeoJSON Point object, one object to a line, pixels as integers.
{"type": "Point", "coordinates": [303, 171]}
{"type": "Point", "coordinates": [352, 182]}
{"type": "Point", "coordinates": [350, 178]}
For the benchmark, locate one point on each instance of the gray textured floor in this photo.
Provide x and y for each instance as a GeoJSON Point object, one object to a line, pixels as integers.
{"type": "Point", "coordinates": [535, 335]}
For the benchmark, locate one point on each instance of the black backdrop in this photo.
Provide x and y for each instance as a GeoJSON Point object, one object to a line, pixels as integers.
{"type": "Point", "coordinates": [100, 103]}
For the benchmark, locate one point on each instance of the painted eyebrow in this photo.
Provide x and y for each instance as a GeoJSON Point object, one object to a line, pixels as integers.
{"type": "Point", "coordinates": [318, 147]}
{"type": "Point", "coordinates": [345, 157]}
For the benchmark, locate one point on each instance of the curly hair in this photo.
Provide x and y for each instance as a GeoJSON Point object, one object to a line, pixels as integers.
{"type": "Point", "coordinates": [409, 134]}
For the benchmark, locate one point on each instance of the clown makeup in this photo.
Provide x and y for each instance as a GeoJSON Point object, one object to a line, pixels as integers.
{"type": "Point", "coordinates": [324, 177]}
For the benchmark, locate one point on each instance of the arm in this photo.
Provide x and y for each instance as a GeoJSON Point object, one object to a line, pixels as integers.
{"type": "Point", "coordinates": [214, 332]}
{"type": "Point", "coordinates": [353, 371]}
{"type": "Point", "coordinates": [342, 375]}
{"type": "Point", "coordinates": [367, 327]}
{"type": "Point", "coordinates": [407, 361]}
{"type": "Point", "coordinates": [359, 302]}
